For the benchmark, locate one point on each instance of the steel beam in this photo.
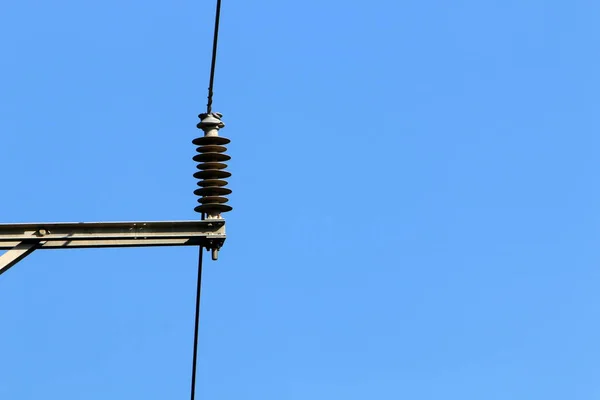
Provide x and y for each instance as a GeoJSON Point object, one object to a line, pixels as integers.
{"type": "Point", "coordinates": [22, 239]}
{"type": "Point", "coordinates": [210, 233]}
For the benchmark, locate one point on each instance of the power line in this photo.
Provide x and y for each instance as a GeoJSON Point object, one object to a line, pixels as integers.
{"type": "Point", "coordinates": [214, 58]}
{"type": "Point", "coordinates": [201, 250]}
{"type": "Point", "coordinates": [197, 322]}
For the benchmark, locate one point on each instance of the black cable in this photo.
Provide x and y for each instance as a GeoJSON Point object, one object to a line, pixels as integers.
{"type": "Point", "coordinates": [197, 322]}
{"type": "Point", "coordinates": [201, 251]}
{"type": "Point", "coordinates": [214, 58]}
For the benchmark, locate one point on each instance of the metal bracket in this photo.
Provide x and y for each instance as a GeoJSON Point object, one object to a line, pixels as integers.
{"type": "Point", "coordinates": [22, 239]}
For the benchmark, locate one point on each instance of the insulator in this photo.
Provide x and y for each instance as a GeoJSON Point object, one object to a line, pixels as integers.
{"type": "Point", "coordinates": [211, 149]}
{"type": "Point", "coordinates": [212, 191]}
{"type": "Point", "coordinates": [211, 172]}
{"type": "Point", "coordinates": [211, 157]}
{"type": "Point", "coordinates": [213, 200]}
{"type": "Point", "coordinates": [212, 208]}
{"type": "Point", "coordinates": [212, 182]}
{"type": "Point", "coordinates": [212, 140]}
{"type": "Point", "coordinates": [211, 166]}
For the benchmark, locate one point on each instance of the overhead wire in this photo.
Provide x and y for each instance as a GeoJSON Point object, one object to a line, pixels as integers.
{"type": "Point", "coordinates": [214, 58]}
{"type": "Point", "coordinates": [197, 323]}
{"type": "Point", "coordinates": [201, 250]}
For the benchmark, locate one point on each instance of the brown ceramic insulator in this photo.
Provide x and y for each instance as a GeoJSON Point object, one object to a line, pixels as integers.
{"type": "Point", "coordinates": [211, 149]}
{"type": "Point", "coordinates": [212, 191]}
{"type": "Point", "coordinates": [212, 182]}
{"type": "Point", "coordinates": [212, 174]}
{"type": "Point", "coordinates": [213, 208]}
{"type": "Point", "coordinates": [211, 140]}
{"type": "Point", "coordinates": [211, 157]}
{"type": "Point", "coordinates": [211, 165]}
{"type": "Point", "coordinates": [213, 200]}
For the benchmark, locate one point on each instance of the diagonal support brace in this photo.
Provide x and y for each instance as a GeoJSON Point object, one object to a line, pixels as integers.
{"type": "Point", "coordinates": [16, 254]}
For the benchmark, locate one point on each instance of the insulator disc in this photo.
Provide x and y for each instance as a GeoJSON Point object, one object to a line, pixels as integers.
{"type": "Point", "coordinates": [212, 183]}
{"type": "Point", "coordinates": [213, 200]}
{"type": "Point", "coordinates": [212, 174]}
{"type": "Point", "coordinates": [211, 165]}
{"type": "Point", "coordinates": [218, 140]}
{"type": "Point", "coordinates": [211, 157]}
{"type": "Point", "coordinates": [212, 191]}
{"type": "Point", "coordinates": [217, 208]}
{"type": "Point", "coordinates": [211, 148]}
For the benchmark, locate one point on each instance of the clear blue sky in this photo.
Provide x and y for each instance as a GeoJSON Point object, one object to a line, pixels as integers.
{"type": "Point", "coordinates": [415, 189]}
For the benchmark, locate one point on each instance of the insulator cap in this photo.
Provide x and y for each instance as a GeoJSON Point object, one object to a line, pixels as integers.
{"type": "Point", "coordinates": [211, 148]}
{"type": "Point", "coordinates": [212, 182]}
{"type": "Point", "coordinates": [211, 157]}
{"type": "Point", "coordinates": [210, 121]}
{"type": "Point", "coordinates": [212, 174]}
{"type": "Point", "coordinates": [211, 208]}
{"type": "Point", "coordinates": [211, 165]}
{"type": "Point", "coordinates": [213, 200]}
{"type": "Point", "coordinates": [211, 140]}
{"type": "Point", "coordinates": [212, 191]}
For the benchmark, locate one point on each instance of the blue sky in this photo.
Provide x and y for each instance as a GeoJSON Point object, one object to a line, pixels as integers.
{"type": "Point", "coordinates": [415, 199]}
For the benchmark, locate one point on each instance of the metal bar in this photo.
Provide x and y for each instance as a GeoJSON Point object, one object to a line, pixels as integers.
{"type": "Point", "coordinates": [210, 233]}
{"type": "Point", "coordinates": [16, 254]}
{"type": "Point", "coordinates": [209, 241]}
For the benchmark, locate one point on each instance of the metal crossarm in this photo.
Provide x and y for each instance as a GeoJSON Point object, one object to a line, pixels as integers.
{"type": "Point", "coordinates": [22, 239]}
